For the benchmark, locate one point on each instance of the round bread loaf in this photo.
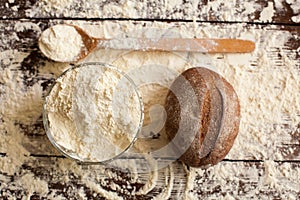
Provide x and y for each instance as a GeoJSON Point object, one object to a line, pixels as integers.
{"type": "Point", "coordinates": [203, 116]}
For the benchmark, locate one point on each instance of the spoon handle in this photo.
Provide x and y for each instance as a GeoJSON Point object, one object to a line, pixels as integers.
{"type": "Point", "coordinates": [202, 45]}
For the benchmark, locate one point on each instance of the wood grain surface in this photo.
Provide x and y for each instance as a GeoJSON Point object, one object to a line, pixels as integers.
{"type": "Point", "coordinates": [244, 175]}
{"type": "Point", "coordinates": [233, 11]}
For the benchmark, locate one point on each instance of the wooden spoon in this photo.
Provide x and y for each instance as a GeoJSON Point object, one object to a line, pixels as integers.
{"type": "Point", "coordinates": [150, 44]}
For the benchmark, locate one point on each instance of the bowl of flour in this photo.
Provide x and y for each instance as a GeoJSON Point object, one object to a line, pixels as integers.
{"type": "Point", "coordinates": [93, 113]}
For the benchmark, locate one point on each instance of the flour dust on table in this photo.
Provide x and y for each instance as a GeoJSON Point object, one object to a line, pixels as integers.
{"type": "Point", "coordinates": [168, 9]}
{"type": "Point", "coordinates": [269, 98]}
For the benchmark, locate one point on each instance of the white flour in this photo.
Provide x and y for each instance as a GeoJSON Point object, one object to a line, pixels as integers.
{"type": "Point", "coordinates": [94, 113]}
{"type": "Point", "coordinates": [267, 13]}
{"type": "Point", "coordinates": [266, 85]}
{"type": "Point", "coordinates": [61, 43]}
{"type": "Point", "coordinates": [232, 10]}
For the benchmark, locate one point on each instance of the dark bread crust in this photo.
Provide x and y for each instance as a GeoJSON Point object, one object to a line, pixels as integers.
{"type": "Point", "coordinates": [204, 116]}
{"type": "Point", "coordinates": [230, 122]}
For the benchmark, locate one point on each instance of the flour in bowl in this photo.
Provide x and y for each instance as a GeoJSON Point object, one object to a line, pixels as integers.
{"type": "Point", "coordinates": [93, 113]}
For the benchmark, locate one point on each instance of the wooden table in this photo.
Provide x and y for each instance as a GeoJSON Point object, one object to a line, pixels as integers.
{"type": "Point", "coordinates": [31, 168]}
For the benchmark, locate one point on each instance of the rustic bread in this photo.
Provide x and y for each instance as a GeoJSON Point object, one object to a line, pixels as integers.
{"type": "Point", "coordinates": [203, 115]}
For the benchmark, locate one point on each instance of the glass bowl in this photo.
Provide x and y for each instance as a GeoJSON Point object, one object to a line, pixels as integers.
{"type": "Point", "coordinates": [85, 113]}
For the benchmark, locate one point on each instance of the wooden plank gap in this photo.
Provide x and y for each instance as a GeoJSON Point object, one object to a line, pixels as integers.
{"type": "Point", "coordinates": [47, 156]}
{"type": "Point", "coordinates": [2, 154]}
{"type": "Point", "coordinates": [242, 160]}
{"type": "Point", "coordinates": [287, 161]}
{"type": "Point", "coordinates": [152, 20]}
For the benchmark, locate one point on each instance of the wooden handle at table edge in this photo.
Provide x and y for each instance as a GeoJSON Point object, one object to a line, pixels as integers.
{"type": "Point", "coordinates": [208, 45]}
{"type": "Point", "coordinates": [233, 46]}
{"type": "Point", "coordinates": [203, 45]}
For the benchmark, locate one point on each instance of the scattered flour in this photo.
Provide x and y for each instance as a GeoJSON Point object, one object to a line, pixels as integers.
{"type": "Point", "coordinates": [33, 184]}
{"type": "Point", "coordinates": [15, 107]}
{"type": "Point", "coordinates": [267, 13]}
{"type": "Point", "coordinates": [233, 10]}
{"type": "Point", "coordinates": [267, 86]}
{"type": "Point", "coordinates": [295, 5]}
{"type": "Point", "coordinates": [296, 18]}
